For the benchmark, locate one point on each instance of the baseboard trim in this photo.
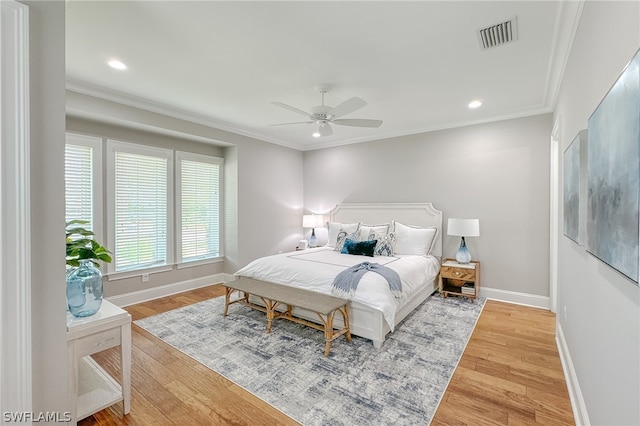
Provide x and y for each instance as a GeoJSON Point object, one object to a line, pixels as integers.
{"type": "Point", "coordinates": [168, 290]}
{"type": "Point", "coordinates": [580, 414]}
{"type": "Point", "coordinates": [174, 288]}
{"type": "Point", "coordinates": [525, 299]}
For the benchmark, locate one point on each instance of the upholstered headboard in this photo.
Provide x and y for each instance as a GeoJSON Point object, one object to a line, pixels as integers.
{"type": "Point", "coordinates": [417, 214]}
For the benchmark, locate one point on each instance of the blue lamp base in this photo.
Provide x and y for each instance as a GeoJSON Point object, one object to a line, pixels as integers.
{"type": "Point", "coordinates": [463, 255]}
{"type": "Point", "coordinates": [313, 241]}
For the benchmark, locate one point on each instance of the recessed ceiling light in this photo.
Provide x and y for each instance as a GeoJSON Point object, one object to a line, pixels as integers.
{"type": "Point", "coordinates": [316, 134]}
{"type": "Point", "coordinates": [474, 104]}
{"type": "Point", "coordinates": [117, 64]}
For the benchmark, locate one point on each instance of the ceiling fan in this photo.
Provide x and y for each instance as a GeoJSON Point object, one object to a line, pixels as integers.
{"type": "Point", "coordinates": [322, 115]}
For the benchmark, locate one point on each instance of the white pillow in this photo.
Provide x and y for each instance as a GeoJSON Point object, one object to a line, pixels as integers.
{"type": "Point", "coordinates": [380, 231]}
{"type": "Point", "coordinates": [412, 239]}
{"type": "Point", "coordinates": [334, 227]}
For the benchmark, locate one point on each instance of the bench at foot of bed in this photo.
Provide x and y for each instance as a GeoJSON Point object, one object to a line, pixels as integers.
{"type": "Point", "coordinates": [274, 295]}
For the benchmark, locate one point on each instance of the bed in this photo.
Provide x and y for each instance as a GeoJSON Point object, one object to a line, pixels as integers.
{"type": "Point", "coordinates": [375, 310]}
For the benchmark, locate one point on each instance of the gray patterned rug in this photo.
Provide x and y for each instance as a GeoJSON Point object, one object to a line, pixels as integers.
{"type": "Point", "coordinates": [400, 384]}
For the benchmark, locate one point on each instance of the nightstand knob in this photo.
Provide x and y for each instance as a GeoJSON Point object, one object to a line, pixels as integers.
{"type": "Point", "coordinates": [457, 273]}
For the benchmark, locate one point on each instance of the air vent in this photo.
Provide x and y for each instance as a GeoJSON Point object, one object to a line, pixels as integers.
{"type": "Point", "coordinates": [498, 34]}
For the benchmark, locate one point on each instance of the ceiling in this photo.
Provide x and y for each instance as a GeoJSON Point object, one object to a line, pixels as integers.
{"type": "Point", "coordinates": [416, 64]}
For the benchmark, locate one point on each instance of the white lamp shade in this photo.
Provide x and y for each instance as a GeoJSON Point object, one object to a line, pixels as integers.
{"type": "Point", "coordinates": [311, 220]}
{"type": "Point", "coordinates": [463, 227]}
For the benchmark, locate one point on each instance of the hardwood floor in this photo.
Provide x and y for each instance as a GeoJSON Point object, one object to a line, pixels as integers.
{"type": "Point", "coordinates": [509, 374]}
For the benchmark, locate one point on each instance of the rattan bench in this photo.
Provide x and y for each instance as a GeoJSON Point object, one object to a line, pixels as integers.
{"type": "Point", "coordinates": [274, 295]}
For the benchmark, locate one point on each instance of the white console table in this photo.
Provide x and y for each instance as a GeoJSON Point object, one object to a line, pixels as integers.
{"type": "Point", "coordinates": [92, 389]}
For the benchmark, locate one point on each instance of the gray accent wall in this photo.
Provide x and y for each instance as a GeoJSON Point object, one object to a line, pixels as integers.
{"type": "Point", "coordinates": [601, 329]}
{"type": "Point", "coordinates": [496, 172]}
{"type": "Point", "coordinates": [270, 201]}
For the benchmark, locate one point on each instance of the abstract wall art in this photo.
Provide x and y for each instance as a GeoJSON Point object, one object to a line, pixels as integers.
{"type": "Point", "coordinates": [613, 205]}
{"type": "Point", "coordinates": [574, 188]}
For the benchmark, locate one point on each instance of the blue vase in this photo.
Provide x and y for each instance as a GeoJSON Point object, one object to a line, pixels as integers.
{"type": "Point", "coordinates": [84, 289]}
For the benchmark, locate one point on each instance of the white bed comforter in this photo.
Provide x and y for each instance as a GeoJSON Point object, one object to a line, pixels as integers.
{"type": "Point", "coordinates": [315, 269]}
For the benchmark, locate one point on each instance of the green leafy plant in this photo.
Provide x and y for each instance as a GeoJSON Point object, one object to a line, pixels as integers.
{"type": "Point", "coordinates": [80, 246]}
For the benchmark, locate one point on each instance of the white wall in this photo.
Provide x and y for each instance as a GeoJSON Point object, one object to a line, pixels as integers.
{"type": "Point", "coordinates": [47, 80]}
{"type": "Point", "coordinates": [497, 172]}
{"type": "Point", "coordinates": [602, 327]}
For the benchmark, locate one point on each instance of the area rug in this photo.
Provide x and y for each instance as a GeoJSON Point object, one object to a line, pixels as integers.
{"type": "Point", "coordinates": [402, 383]}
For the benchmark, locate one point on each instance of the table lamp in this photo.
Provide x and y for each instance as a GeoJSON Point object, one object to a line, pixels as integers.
{"type": "Point", "coordinates": [311, 221]}
{"type": "Point", "coordinates": [463, 228]}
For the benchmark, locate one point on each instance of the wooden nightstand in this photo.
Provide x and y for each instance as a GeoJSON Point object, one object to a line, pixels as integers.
{"type": "Point", "coordinates": [460, 279]}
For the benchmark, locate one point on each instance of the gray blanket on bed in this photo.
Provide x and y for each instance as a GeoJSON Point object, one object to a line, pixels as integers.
{"type": "Point", "coordinates": [346, 282]}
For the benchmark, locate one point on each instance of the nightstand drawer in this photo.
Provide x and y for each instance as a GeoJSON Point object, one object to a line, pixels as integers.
{"type": "Point", "coordinates": [458, 273]}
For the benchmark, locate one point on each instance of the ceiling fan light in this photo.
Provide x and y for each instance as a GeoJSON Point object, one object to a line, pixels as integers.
{"type": "Point", "coordinates": [325, 129]}
{"type": "Point", "coordinates": [323, 115]}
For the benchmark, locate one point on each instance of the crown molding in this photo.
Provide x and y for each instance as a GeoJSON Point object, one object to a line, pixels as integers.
{"type": "Point", "coordinates": [111, 95]}
{"type": "Point", "coordinates": [565, 29]}
{"type": "Point", "coordinates": [541, 109]}
{"type": "Point", "coordinates": [106, 94]}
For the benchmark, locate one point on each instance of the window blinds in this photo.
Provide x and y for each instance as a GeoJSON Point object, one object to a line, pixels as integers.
{"type": "Point", "coordinates": [140, 211]}
{"type": "Point", "coordinates": [78, 180]}
{"type": "Point", "coordinates": [200, 210]}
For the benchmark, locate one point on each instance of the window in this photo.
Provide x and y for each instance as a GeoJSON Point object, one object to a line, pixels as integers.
{"type": "Point", "coordinates": [198, 189]}
{"type": "Point", "coordinates": [140, 204]}
{"type": "Point", "coordinates": [140, 186]}
{"type": "Point", "coordinates": [83, 181]}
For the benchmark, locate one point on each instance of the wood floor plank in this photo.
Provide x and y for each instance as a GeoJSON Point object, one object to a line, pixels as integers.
{"type": "Point", "coordinates": [509, 374]}
{"type": "Point", "coordinates": [477, 409]}
{"type": "Point", "coordinates": [525, 374]}
{"type": "Point", "coordinates": [549, 405]}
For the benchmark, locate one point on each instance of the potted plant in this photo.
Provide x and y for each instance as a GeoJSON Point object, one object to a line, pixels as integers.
{"type": "Point", "coordinates": [81, 247]}
{"type": "Point", "coordinates": [84, 279]}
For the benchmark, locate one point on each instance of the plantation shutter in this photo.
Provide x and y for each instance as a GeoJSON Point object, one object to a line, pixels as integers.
{"type": "Point", "coordinates": [140, 211]}
{"type": "Point", "coordinates": [200, 209]}
{"type": "Point", "coordinates": [78, 183]}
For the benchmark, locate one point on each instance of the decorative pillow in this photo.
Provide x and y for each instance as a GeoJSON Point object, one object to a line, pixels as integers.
{"type": "Point", "coordinates": [365, 248]}
{"type": "Point", "coordinates": [333, 228]}
{"type": "Point", "coordinates": [412, 239]}
{"type": "Point", "coordinates": [343, 236]}
{"type": "Point", "coordinates": [380, 231]}
{"type": "Point", "coordinates": [385, 246]}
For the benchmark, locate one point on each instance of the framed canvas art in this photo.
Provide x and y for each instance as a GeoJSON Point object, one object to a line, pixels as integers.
{"type": "Point", "coordinates": [613, 161]}
{"type": "Point", "coordinates": [574, 188]}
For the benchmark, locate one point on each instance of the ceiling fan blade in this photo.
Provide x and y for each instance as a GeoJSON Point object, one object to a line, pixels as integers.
{"type": "Point", "coordinates": [297, 122]}
{"type": "Point", "coordinates": [325, 130]}
{"type": "Point", "coordinates": [357, 122]}
{"type": "Point", "coordinates": [290, 108]}
{"type": "Point", "coordinates": [347, 107]}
